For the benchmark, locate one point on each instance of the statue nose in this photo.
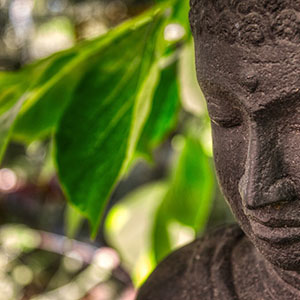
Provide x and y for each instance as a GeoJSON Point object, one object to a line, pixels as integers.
{"type": "Point", "coordinates": [255, 196]}
{"type": "Point", "coordinates": [264, 182]}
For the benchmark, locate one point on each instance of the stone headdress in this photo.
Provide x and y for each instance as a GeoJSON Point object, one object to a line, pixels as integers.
{"type": "Point", "coordinates": [253, 22]}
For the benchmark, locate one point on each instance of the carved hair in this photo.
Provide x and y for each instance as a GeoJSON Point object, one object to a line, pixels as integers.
{"type": "Point", "coordinates": [254, 22]}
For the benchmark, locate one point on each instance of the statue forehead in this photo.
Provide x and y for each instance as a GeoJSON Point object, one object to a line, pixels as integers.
{"type": "Point", "coordinates": [257, 75]}
{"type": "Point", "coordinates": [251, 47]}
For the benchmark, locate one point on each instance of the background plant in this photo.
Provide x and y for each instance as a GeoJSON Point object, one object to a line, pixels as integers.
{"type": "Point", "coordinates": [103, 106]}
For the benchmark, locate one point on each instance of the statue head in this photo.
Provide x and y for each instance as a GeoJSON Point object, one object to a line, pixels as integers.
{"type": "Point", "coordinates": [248, 66]}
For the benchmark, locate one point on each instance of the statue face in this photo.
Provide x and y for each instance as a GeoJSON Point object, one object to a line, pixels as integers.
{"type": "Point", "coordinates": [253, 99]}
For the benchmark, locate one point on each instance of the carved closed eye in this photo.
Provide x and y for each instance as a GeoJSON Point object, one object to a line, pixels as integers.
{"type": "Point", "coordinates": [225, 116]}
{"type": "Point", "coordinates": [227, 122]}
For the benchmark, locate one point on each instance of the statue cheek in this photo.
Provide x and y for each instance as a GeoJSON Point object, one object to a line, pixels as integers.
{"type": "Point", "coordinates": [291, 153]}
{"type": "Point", "coordinates": [230, 152]}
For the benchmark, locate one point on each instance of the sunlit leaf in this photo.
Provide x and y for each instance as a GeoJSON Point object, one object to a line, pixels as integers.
{"type": "Point", "coordinates": [49, 96]}
{"type": "Point", "coordinates": [180, 15]}
{"type": "Point", "coordinates": [163, 116]}
{"type": "Point", "coordinates": [102, 100]}
{"type": "Point", "coordinates": [189, 198]}
{"type": "Point", "coordinates": [155, 219]}
{"type": "Point", "coordinates": [48, 85]}
{"type": "Point", "coordinates": [51, 83]}
{"type": "Point", "coordinates": [6, 122]}
{"type": "Point", "coordinates": [192, 98]}
{"type": "Point", "coordinates": [13, 95]}
{"type": "Point", "coordinates": [99, 130]}
{"type": "Point", "coordinates": [129, 226]}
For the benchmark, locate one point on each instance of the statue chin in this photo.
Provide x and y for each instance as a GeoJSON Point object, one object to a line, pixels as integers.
{"type": "Point", "coordinates": [283, 255]}
{"type": "Point", "coordinates": [274, 231]}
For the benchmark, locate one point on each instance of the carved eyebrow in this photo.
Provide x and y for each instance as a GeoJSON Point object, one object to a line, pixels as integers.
{"type": "Point", "coordinates": [248, 83]}
{"type": "Point", "coordinates": [287, 99]}
{"type": "Point", "coordinates": [283, 100]}
{"type": "Point", "coordinates": [217, 90]}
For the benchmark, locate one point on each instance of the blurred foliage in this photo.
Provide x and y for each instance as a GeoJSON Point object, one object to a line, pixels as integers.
{"type": "Point", "coordinates": [189, 195]}
{"type": "Point", "coordinates": [105, 104]}
{"type": "Point", "coordinates": [159, 217]}
{"type": "Point", "coordinates": [44, 266]}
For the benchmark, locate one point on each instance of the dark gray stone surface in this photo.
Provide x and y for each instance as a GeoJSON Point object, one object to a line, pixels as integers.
{"type": "Point", "coordinates": [248, 66]}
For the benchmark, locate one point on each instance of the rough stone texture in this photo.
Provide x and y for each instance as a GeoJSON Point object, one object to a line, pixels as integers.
{"type": "Point", "coordinates": [255, 22]}
{"type": "Point", "coordinates": [224, 265]}
{"type": "Point", "coordinates": [248, 66]}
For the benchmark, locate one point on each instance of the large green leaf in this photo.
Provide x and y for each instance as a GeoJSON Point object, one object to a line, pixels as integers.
{"type": "Point", "coordinates": [189, 199]}
{"type": "Point", "coordinates": [158, 217]}
{"type": "Point", "coordinates": [98, 132]}
{"type": "Point", "coordinates": [30, 84]}
{"type": "Point", "coordinates": [48, 85]}
{"type": "Point", "coordinates": [163, 116]}
{"type": "Point", "coordinates": [35, 96]}
{"type": "Point", "coordinates": [49, 96]}
{"type": "Point", "coordinates": [102, 91]}
{"type": "Point", "coordinates": [52, 82]}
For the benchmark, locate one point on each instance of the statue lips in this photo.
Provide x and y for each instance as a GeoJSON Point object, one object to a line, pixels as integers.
{"type": "Point", "coordinates": [276, 224]}
{"type": "Point", "coordinates": [279, 234]}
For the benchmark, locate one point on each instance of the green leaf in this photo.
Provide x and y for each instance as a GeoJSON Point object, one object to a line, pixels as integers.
{"type": "Point", "coordinates": [11, 101]}
{"type": "Point", "coordinates": [192, 98]}
{"type": "Point", "coordinates": [161, 241]}
{"type": "Point", "coordinates": [55, 80]}
{"type": "Point", "coordinates": [153, 220]}
{"type": "Point", "coordinates": [128, 228]}
{"type": "Point", "coordinates": [48, 85]}
{"type": "Point", "coordinates": [73, 221]}
{"type": "Point", "coordinates": [181, 15]}
{"type": "Point", "coordinates": [6, 121]}
{"type": "Point", "coordinates": [163, 116]}
{"type": "Point", "coordinates": [189, 199]}
{"type": "Point", "coordinates": [98, 132]}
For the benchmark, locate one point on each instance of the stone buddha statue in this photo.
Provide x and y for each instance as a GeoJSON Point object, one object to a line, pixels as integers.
{"type": "Point", "coordinates": [248, 66]}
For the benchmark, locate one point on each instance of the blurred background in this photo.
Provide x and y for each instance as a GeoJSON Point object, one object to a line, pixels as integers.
{"type": "Point", "coordinates": [45, 246]}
